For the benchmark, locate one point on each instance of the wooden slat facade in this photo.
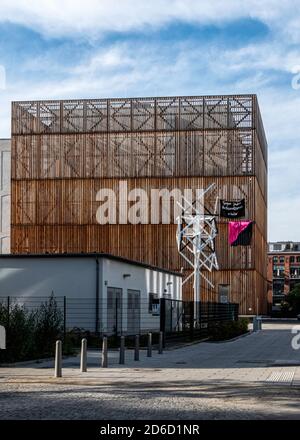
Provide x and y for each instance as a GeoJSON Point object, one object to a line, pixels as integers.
{"type": "Point", "coordinates": [64, 152]}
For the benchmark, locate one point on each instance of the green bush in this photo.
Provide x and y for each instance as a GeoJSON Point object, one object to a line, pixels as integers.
{"type": "Point", "coordinates": [48, 327]}
{"type": "Point", "coordinates": [291, 305]}
{"type": "Point", "coordinates": [228, 330]}
{"type": "Point", "coordinates": [30, 334]}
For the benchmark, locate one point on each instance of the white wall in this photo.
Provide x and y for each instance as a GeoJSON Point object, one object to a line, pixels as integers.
{"type": "Point", "coordinates": [34, 279]}
{"type": "Point", "coordinates": [4, 196]}
{"type": "Point", "coordinates": [142, 279]}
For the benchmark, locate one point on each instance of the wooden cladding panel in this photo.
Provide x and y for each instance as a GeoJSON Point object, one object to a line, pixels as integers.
{"type": "Point", "coordinates": [153, 244]}
{"type": "Point", "coordinates": [125, 155]}
{"type": "Point", "coordinates": [73, 201]}
{"type": "Point", "coordinates": [247, 287]}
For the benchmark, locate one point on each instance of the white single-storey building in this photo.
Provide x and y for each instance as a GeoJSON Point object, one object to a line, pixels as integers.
{"type": "Point", "coordinates": [98, 292]}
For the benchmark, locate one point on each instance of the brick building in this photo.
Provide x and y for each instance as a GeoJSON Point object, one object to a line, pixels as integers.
{"type": "Point", "coordinates": [283, 270]}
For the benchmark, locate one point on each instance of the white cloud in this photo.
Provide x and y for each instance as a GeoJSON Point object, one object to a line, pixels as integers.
{"type": "Point", "coordinates": [93, 17]}
{"type": "Point", "coordinates": [272, 55]}
{"type": "Point", "coordinates": [284, 196]}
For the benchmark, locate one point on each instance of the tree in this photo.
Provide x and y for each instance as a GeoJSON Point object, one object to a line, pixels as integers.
{"type": "Point", "coordinates": [293, 299]}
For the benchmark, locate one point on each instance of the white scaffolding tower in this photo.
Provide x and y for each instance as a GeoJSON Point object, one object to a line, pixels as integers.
{"type": "Point", "coordinates": [196, 232]}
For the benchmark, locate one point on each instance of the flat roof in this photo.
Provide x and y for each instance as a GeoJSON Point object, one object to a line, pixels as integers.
{"type": "Point", "coordinates": [93, 255]}
{"type": "Point", "coordinates": [283, 252]}
{"type": "Point", "coordinates": [137, 98]}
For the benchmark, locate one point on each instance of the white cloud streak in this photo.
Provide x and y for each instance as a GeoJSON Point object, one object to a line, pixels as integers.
{"type": "Point", "coordinates": [94, 17]}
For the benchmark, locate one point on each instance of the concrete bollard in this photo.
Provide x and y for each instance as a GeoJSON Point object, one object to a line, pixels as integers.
{"type": "Point", "coordinates": [137, 348]}
{"type": "Point", "coordinates": [257, 323]}
{"type": "Point", "coordinates": [58, 359]}
{"type": "Point", "coordinates": [83, 356]}
{"type": "Point", "coordinates": [149, 348]}
{"type": "Point", "coordinates": [160, 343]}
{"type": "Point", "coordinates": [104, 360]}
{"type": "Point", "coordinates": [122, 350]}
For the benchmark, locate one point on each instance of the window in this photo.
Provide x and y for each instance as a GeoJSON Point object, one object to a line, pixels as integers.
{"type": "Point", "coordinates": [278, 287]}
{"type": "Point", "coordinates": [292, 259]}
{"type": "Point", "coordinates": [153, 306]}
{"type": "Point", "coordinates": [295, 272]}
{"type": "Point", "coordinates": [281, 259]}
{"type": "Point", "coordinates": [275, 259]}
{"type": "Point", "coordinates": [223, 293]}
{"type": "Point", "coordinates": [278, 272]}
{"type": "Point", "coordinates": [298, 259]}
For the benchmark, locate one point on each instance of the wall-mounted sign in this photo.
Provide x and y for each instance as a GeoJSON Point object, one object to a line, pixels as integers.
{"type": "Point", "coordinates": [232, 209]}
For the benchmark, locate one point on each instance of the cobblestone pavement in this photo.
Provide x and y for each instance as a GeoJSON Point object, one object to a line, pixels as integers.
{"type": "Point", "coordinates": [254, 377]}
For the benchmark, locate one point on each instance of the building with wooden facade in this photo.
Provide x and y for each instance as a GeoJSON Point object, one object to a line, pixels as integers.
{"type": "Point", "coordinates": [64, 152]}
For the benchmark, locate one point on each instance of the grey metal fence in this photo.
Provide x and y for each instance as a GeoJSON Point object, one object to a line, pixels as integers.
{"type": "Point", "coordinates": [131, 315]}
{"type": "Point", "coordinates": [194, 320]}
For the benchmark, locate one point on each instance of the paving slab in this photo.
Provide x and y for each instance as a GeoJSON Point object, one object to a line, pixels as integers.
{"type": "Point", "coordinates": [256, 377]}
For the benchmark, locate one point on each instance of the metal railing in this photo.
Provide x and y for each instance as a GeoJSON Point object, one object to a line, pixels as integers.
{"type": "Point", "coordinates": [130, 315]}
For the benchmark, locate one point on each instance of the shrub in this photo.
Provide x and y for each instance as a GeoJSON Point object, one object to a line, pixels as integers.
{"type": "Point", "coordinates": [291, 305]}
{"type": "Point", "coordinates": [19, 333]}
{"type": "Point", "coordinates": [48, 327]}
{"type": "Point", "coordinates": [228, 330]}
{"type": "Point", "coordinates": [30, 334]}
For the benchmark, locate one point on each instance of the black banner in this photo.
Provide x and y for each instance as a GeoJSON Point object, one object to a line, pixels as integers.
{"type": "Point", "coordinates": [232, 209]}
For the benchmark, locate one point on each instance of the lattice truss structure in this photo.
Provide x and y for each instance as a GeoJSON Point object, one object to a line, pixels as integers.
{"type": "Point", "coordinates": [136, 137]}
{"type": "Point", "coordinates": [196, 233]}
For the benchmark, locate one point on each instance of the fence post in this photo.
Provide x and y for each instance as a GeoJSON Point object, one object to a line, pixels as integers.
{"type": "Point", "coordinates": [122, 350]}
{"type": "Point", "coordinates": [116, 322]}
{"type": "Point", "coordinates": [65, 316]}
{"type": "Point", "coordinates": [254, 324]}
{"type": "Point", "coordinates": [58, 359]}
{"type": "Point", "coordinates": [8, 311]}
{"type": "Point", "coordinates": [160, 343]}
{"type": "Point", "coordinates": [162, 316]}
{"type": "Point", "coordinates": [104, 361]}
{"type": "Point", "coordinates": [149, 348]}
{"type": "Point", "coordinates": [137, 348]}
{"type": "Point", "coordinates": [192, 319]}
{"type": "Point", "coordinates": [83, 356]}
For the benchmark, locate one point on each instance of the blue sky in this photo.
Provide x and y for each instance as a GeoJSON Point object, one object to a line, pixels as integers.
{"type": "Point", "coordinates": [100, 48]}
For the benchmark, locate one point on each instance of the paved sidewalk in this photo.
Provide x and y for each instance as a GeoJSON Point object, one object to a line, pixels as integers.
{"type": "Point", "coordinates": [256, 376]}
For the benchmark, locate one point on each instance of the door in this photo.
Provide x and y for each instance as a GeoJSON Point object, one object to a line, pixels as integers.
{"type": "Point", "coordinates": [133, 312]}
{"type": "Point", "coordinates": [114, 311]}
